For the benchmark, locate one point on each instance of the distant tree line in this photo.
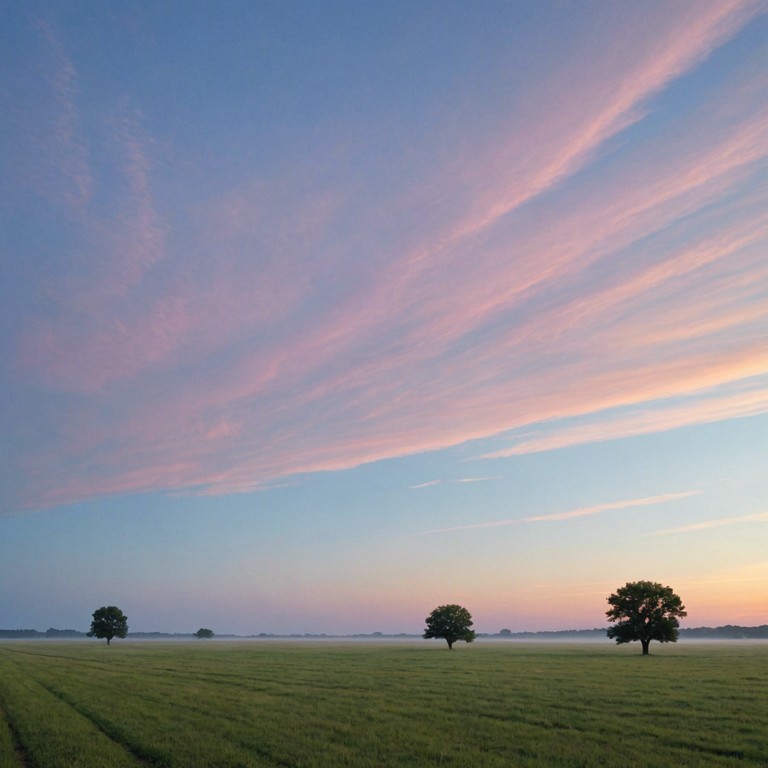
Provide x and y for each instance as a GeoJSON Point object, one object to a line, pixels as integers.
{"type": "Point", "coordinates": [729, 631]}
{"type": "Point", "coordinates": [33, 633]}
{"type": "Point", "coordinates": [553, 634]}
{"type": "Point", "coordinates": [726, 632]}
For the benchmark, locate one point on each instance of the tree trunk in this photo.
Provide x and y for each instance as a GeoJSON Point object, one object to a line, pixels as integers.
{"type": "Point", "coordinates": [645, 644]}
{"type": "Point", "coordinates": [108, 639]}
{"type": "Point", "coordinates": [450, 644]}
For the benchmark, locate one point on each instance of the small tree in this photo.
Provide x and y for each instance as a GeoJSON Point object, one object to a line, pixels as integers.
{"type": "Point", "coordinates": [645, 611]}
{"type": "Point", "coordinates": [108, 622]}
{"type": "Point", "coordinates": [450, 623]}
{"type": "Point", "coordinates": [204, 634]}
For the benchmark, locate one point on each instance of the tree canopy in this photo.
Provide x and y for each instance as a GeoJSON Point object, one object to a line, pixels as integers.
{"type": "Point", "coordinates": [203, 633]}
{"type": "Point", "coordinates": [108, 622]}
{"type": "Point", "coordinates": [449, 623]}
{"type": "Point", "coordinates": [644, 611]}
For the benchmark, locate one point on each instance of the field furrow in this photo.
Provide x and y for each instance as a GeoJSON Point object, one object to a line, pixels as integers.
{"type": "Point", "coordinates": [48, 733]}
{"type": "Point", "coordinates": [11, 752]}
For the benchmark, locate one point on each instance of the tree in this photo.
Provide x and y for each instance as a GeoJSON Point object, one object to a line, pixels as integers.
{"type": "Point", "coordinates": [450, 623]}
{"type": "Point", "coordinates": [108, 622]}
{"type": "Point", "coordinates": [645, 611]}
{"type": "Point", "coordinates": [203, 633]}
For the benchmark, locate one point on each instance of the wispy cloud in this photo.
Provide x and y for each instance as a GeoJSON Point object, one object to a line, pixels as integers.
{"type": "Point", "coordinates": [476, 479]}
{"type": "Point", "coordinates": [569, 514]}
{"type": "Point", "coordinates": [702, 407]}
{"type": "Point", "coordinates": [672, 54]}
{"type": "Point", "coordinates": [455, 480]}
{"type": "Point", "coordinates": [309, 317]}
{"type": "Point", "coordinates": [584, 511]}
{"type": "Point", "coordinates": [759, 517]}
{"type": "Point", "coordinates": [139, 245]}
{"type": "Point", "coordinates": [60, 170]}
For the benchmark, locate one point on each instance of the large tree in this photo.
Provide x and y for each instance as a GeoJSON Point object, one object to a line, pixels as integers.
{"type": "Point", "coordinates": [204, 633]}
{"type": "Point", "coordinates": [450, 623]}
{"type": "Point", "coordinates": [108, 622]}
{"type": "Point", "coordinates": [644, 611]}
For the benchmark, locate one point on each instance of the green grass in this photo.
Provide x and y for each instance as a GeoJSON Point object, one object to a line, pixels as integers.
{"type": "Point", "coordinates": [322, 704]}
{"type": "Point", "coordinates": [9, 754]}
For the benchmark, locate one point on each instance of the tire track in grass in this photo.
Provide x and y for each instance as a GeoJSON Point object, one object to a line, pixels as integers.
{"type": "Point", "coordinates": [12, 753]}
{"type": "Point", "coordinates": [147, 755]}
{"type": "Point", "coordinates": [50, 733]}
{"type": "Point", "coordinates": [144, 755]}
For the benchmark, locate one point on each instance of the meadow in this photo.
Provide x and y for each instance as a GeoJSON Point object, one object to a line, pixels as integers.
{"type": "Point", "coordinates": [225, 704]}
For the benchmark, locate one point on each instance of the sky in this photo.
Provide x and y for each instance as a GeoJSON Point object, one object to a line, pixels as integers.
{"type": "Point", "coordinates": [316, 316]}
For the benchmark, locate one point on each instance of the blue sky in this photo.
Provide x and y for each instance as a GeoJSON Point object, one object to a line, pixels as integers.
{"type": "Point", "coordinates": [316, 317]}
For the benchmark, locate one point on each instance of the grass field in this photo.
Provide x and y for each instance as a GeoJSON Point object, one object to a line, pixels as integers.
{"type": "Point", "coordinates": [225, 704]}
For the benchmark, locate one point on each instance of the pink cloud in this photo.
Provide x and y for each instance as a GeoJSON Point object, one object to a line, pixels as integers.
{"type": "Point", "coordinates": [560, 145]}
{"type": "Point", "coordinates": [59, 168]}
{"type": "Point", "coordinates": [113, 347]}
{"type": "Point", "coordinates": [116, 320]}
{"type": "Point", "coordinates": [281, 327]}
{"type": "Point", "coordinates": [595, 227]}
{"type": "Point", "coordinates": [652, 418]}
{"type": "Point", "coordinates": [139, 244]}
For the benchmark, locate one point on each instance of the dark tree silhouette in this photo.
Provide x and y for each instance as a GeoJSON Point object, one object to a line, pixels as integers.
{"type": "Point", "coordinates": [450, 623]}
{"type": "Point", "coordinates": [203, 633]}
{"type": "Point", "coordinates": [108, 622]}
{"type": "Point", "coordinates": [644, 611]}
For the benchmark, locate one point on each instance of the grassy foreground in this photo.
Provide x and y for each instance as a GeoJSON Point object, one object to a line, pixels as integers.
{"type": "Point", "coordinates": [229, 704]}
